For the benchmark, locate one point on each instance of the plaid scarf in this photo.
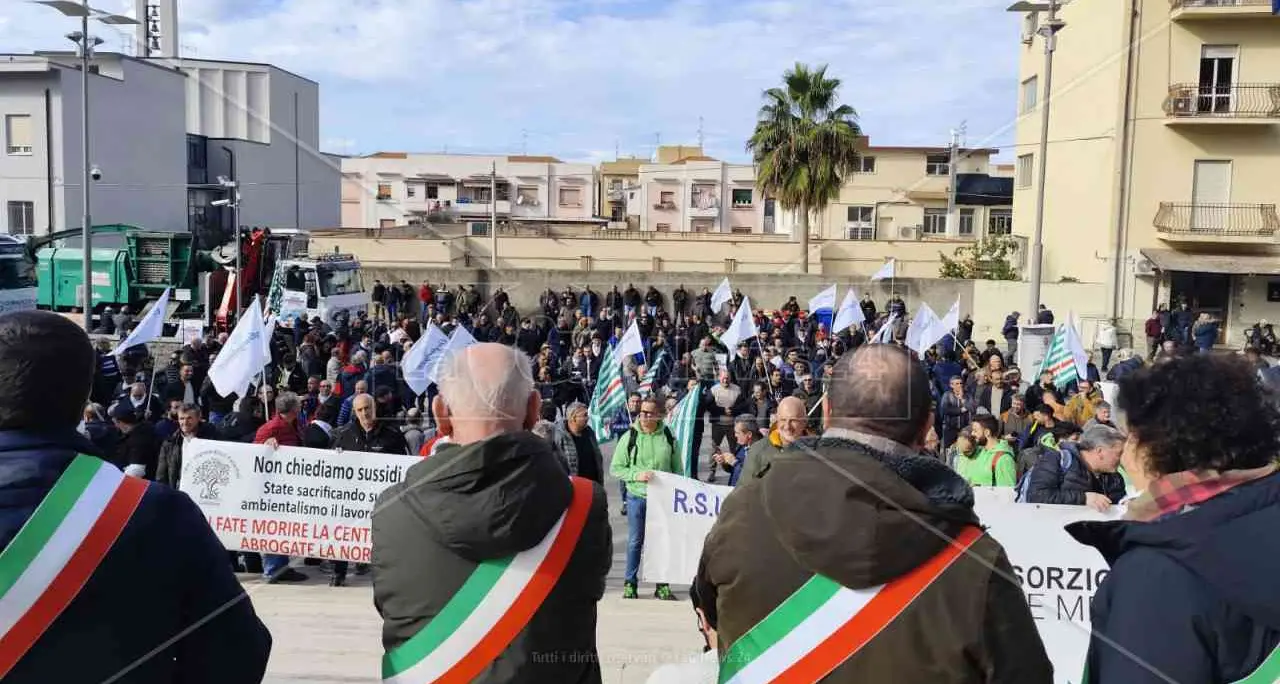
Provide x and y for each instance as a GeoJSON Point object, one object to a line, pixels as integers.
{"type": "Point", "coordinates": [1182, 491]}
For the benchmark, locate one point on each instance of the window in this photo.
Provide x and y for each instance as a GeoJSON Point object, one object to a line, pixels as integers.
{"type": "Point", "coordinates": [704, 197]}
{"type": "Point", "coordinates": [17, 133]}
{"type": "Point", "coordinates": [1026, 167]}
{"type": "Point", "coordinates": [664, 227]}
{"type": "Point", "coordinates": [1030, 94]}
{"type": "Point", "coordinates": [865, 164]}
{"type": "Point", "coordinates": [1217, 75]}
{"type": "Point", "coordinates": [861, 223]}
{"type": "Point", "coordinates": [966, 222]}
{"type": "Point", "coordinates": [22, 218]}
{"type": "Point", "coordinates": [570, 197]}
{"type": "Point", "coordinates": [527, 195]}
{"type": "Point", "coordinates": [742, 197]}
{"type": "Point", "coordinates": [667, 198]}
{"type": "Point", "coordinates": [386, 223]}
{"type": "Point", "coordinates": [741, 230]}
{"type": "Point", "coordinates": [1000, 222]}
{"type": "Point", "coordinates": [702, 226]}
{"type": "Point", "coordinates": [335, 281]}
{"type": "Point", "coordinates": [410, 191]}
{"type": "Point", "coordinates": [937, 164]}
{"type": "Point", "coordinates": [935, 222]}
{"type": "Point", "coordinates": [433, 192]}
{"type": "Point", "coordinates": [384, 191]}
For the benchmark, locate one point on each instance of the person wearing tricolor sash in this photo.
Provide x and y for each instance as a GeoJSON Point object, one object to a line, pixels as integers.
{"type": "Point", "coordinates": [488, 559]}
{"type": "Point", "coordinates": [103, 577]}
{"type": "Point", "coordinates": [855, 559]}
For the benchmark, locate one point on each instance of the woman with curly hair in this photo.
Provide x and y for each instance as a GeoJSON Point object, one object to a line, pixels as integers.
{"type": "Point", "coordinates": [1192, 594]}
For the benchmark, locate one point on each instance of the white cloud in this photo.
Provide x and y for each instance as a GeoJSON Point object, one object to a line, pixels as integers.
{"type": "Point", "coordinates": [582, 74]}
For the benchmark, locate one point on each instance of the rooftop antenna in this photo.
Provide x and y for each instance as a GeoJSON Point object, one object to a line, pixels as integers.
{"type": "Point", "coordinates": [657, 143]}
{"type": "Point", "coordinates": [701, 135]}
{"type": "Point", "coordinates": [617, 149]}
{"type": "Point", "coordinates": [524, 142]}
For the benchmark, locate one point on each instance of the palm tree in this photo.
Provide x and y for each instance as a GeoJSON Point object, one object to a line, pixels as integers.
{"type": "Point", "coordinates": [805, 144]}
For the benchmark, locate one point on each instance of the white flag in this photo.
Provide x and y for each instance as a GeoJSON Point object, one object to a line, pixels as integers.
{"type": "Point", "coordinates": [921, 328]}
{"type": "Point", "coordinates": [242, 357]}
{"type": "Point", "coordinates": [885, 335]}
{"type": "Point", "coordinates": [824, 300]}
{"type": "Point", "coordinates": [268, 330]}
{"type": "Point", "coordinates": [721, 296]}
{"type": "Point", "coordinates": [150, 328]}
{"type": "Point", "coordinates": [742, 328]}
{"type": "Point", "coordinates": [947, 325]}
{"type": "Point", "coordinates": [850, 313]}
{"type": "Point", "coordinates": [419, 363]}
{"type": "Point", "coordinates": [461, 338]}
{"type": "Point", "coordinates": [630, 344]}
{"type": "Point", "coordinates": [885, 272]}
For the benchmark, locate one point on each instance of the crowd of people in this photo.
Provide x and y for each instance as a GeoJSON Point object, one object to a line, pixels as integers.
{"type": "Point", "coordinates": [508, 417]}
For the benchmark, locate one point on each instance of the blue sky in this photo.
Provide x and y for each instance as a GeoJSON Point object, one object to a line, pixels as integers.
{"type": "Point", "coordinates": [579, 78]}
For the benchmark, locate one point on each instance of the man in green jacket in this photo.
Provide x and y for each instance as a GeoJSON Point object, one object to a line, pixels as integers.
{"type": "Point", "coordinates": [994, 464]}
{"type": "Point", "coordinates": [647, 447]}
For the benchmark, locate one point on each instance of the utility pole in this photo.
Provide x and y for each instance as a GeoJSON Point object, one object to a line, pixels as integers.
{"type": "Point", "coordinates": [1049, 32]}
{"type": "Point", "coordinates": [524, 142]}
{"type": "Point", "coordinates": [657, 144]}
{"type": "Point", "coordinates": [953, 224]}
{"type": "Point", "coordinates": [493, 215]}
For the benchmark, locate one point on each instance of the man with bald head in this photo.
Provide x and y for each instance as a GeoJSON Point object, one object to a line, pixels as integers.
{"type": "Point", "coordinates": [490, 507]}
{"type": "Point", "coordinates": [790, 425]}
{"type": "Point", "coordinates": [859, 513]}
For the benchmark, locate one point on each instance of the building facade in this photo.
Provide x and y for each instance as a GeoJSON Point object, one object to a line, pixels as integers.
{"type": "Point", "coordinates": [396, 188]}
{"type": "Point", "coordinates": [902, 193]}
{"type": "Point", "coordinates": [162, 131]}
{"type": "Point", "coordinates": [698, 194]}
{"type": "Point", "coordinates": [136, 143]}
{"type": "Point", "coordinates": [1159, 176]}
{"type": "Point", "coordinates": [617, 179]}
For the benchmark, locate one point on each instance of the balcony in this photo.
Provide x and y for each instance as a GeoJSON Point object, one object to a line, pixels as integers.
{"type": "Point", "coordinates": [1245, 224]}
{"type": "Point", "coordinates": [1196, 10]}
{"type": "Point", "coordinates": [1250, 104]}
{"type": "Point", "coordinates": [479, 207]}
{"type": "Point", "coordinates": [707, 207]}
{"type": "Point", "coordinates": [665, 206]}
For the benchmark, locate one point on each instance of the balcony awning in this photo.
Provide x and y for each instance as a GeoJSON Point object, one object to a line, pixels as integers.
{"type": "Point", "coordinates": [482, 179]}
{"type": "Point", "coordinates": [435, 177]}
{"type": "Point", "coordinates": [1236, 264]}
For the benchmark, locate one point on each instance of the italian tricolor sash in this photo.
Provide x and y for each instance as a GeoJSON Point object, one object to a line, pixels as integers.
{"type": "Point", "coordinates": [58, 548]}
{"type": "Point", "coordinates": [491, 608]}
{"type": "Point", "coordinates": [823, 624]}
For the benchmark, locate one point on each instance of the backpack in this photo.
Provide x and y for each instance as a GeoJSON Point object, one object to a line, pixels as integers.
{"type": "Point", "coordinates": [631, 443]}
{"type": "Point", "coordinates": [1065, 459]}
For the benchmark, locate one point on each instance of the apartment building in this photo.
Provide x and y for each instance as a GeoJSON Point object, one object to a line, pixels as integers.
{"type": "Point", "coordinates": [698, 194]}
{"type": "Point", "coordinates": [397, 188]}
{"type": "Point", "coordinates": [617, 178]}
{"type": "Point", "coordinates": [1163, 150]}
{"type": "Point", "coordinates": [161, 132]}
{"type": "Point", "coordinates": [902, 193]}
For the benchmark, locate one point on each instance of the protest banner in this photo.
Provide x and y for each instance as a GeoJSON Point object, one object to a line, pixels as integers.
{"type": "Point", "coordinates": [1057, 575]}
{"type": "Point", "coordinates": [679, 515]}
{"type": "Point", "coordinates": [292, 501]}
{"type": "Point", "coordinates": [190, 329]}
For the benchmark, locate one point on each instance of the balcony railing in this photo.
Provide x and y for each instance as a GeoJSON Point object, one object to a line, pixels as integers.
{"type": "Point", "coordinates": [1188, 4]}
{"type": "Point", "coordinates": [1241, 101]}
{"type": "Point", "coordinates": [1191, 219]}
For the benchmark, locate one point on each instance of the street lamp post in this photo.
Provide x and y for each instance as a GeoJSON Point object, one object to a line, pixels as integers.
{"type": "Point", "coordinates": [86, 43]}
{"type": "Point", "coordinates": [232, 188]}
{"type": "Point", "coordinates": [1048, 31]}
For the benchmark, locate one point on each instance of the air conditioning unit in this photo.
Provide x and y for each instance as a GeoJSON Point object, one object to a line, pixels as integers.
{"type": "Point", "coordinates": [909, 232]}
{"type": "Point", "coordinates": [1182, 105]}
{"type": "Point", "coordinates": [1144, 267]}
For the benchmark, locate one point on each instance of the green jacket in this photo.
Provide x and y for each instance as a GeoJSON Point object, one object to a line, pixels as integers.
{"type": "Point", "coordinates": [978, 470]}
{"type": "Point", "coordinates": [652, 452]}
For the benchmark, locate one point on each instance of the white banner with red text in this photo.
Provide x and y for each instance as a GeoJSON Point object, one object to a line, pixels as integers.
{"type": "Point", "coordinates": [1057, 575]}
{"type": "Point", "coordinates": [292, 501]}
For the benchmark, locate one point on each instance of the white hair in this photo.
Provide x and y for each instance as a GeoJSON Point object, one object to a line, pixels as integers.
{"type": "Point", "coordinates": [494, 391]}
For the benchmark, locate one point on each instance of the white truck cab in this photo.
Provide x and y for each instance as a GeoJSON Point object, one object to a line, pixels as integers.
{"type": "Point", "coordinates": [320, 286]}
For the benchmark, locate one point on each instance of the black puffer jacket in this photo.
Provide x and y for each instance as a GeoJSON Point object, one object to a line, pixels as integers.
{"type": "Point", "coordinates": [483, 501]}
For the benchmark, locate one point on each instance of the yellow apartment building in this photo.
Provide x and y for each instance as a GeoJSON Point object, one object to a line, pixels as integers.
{"type": "Point", "coordinates": [1163, 155]}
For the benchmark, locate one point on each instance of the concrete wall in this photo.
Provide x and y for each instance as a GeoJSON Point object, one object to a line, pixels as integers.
{"type": "Point", "coordinates": [25, 178]}
{"type": "Point", "coordinates": [287, 183]}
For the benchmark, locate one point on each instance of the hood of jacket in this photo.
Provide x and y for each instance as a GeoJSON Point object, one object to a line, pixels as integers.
{"type": "Point", "coordinates": [1218, 541]}
{"type": "Point", "coordinates": [872, 510]}
{"type": "Point", "coordinates": [490, 499]}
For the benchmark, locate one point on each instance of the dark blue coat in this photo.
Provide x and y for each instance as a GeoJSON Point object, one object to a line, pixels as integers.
{"type": "Point", "coordinates": [1193, 594]}
{"type": "Point", "coordinates": [165, 574]}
